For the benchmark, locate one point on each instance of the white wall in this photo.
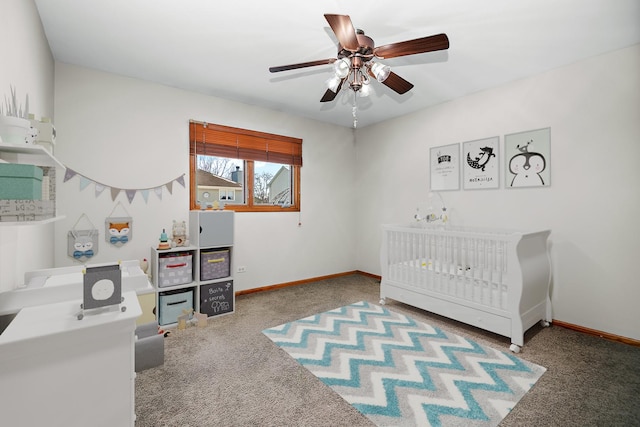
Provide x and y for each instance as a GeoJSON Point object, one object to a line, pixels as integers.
{"type": "Point", "coordinates": [127, 133]}
{"type": "Point", "coordinates": [592, 206]}
{"type": "Point", "coordinates": [27, 64]}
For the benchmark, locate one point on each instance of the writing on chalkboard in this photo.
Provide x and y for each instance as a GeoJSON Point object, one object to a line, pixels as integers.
{"type": "Point", "coordinates": [216, 298]}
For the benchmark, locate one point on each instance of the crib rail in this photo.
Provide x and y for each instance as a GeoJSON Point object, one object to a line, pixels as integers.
{"type": "Point", "coordinates": [463, 263]}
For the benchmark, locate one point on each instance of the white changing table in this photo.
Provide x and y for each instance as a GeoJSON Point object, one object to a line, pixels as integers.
{"type": "Point", "coordinates": [65, 283]}
{"type": "Point", "coordinates": [56, 370]}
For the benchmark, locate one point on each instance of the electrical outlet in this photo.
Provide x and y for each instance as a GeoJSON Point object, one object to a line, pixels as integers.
{"type": "Point", "coordinates": [242, 269]}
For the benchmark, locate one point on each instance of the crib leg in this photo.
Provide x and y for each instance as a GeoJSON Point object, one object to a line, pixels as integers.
{"type": "Point", "coordinates": [545, 323]}
{"type": "Point", "coordinates": [514, 348]}
{"type": "Point", "coordinates": [383, 301]}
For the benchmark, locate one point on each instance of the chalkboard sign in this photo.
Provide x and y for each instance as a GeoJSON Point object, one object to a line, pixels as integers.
{"type": "Point", "coordinates": [217, 298]}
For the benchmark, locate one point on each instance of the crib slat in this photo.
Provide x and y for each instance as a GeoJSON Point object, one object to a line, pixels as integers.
{"type": "Point", "coordinates": [470, 266]}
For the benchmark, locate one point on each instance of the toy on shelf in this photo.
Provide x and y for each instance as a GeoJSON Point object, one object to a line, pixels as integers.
{"type": "Point", "coordinates": [179, 234]}
{"type": "Point", "coordinates": [164, 241]}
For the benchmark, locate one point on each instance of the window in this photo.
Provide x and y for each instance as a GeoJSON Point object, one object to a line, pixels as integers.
{"type": "Point", "coordinates": [243, 170]}
{"type": "Point", "coordinates": [228, 195]}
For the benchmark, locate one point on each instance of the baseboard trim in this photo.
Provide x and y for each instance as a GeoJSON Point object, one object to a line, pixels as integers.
{"type": "Point", "coordinates": [373, 276]}
{"type": "Point", "coordinates": [584, 330]}
{"type": "Point", "coordinates": [597, 333]}
{"type": "Point", "coordinates": [295, 283]}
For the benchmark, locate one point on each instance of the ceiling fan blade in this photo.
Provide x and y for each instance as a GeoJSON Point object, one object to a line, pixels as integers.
{"type": "Point", "coordinates": [330, 95]}
{"type": "Point", "coordinates": [344, 31]}
{"type": "Point", "coordinates": [302, 65]}
{"type": "Point", "coordinates": [412, 47]}
{"type": "Point", "coordinates": [397, 83]}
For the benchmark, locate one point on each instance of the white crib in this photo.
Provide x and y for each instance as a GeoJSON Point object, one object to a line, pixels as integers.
{"type": "Point", "coordinates": [495, 280]}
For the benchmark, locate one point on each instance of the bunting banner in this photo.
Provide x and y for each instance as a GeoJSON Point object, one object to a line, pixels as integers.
{"type": "Point", "coordinates": [129, 192]}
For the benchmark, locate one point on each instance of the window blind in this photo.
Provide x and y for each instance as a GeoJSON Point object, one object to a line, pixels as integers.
{"type": "Point", "coordinates": [224, 141]}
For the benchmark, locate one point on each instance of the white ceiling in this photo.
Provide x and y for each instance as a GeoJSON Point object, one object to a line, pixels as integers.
{"type": "Point", "coordinates": [224, 48]}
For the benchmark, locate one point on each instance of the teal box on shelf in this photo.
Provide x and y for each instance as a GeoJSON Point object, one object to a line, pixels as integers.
{"type": "Point", "coordinates": [171, 304]}
{"type": "Point", "coordinates": [20, 182]}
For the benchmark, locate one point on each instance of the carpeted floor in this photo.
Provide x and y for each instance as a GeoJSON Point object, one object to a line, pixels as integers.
{"type": "Point", "coordinates": [230, 374]}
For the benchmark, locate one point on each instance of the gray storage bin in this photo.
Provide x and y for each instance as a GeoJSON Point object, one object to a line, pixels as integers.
{"type": "Point", "coordinates": [214, 264]}
{"type": "Point", "coordinates": [174, 269]}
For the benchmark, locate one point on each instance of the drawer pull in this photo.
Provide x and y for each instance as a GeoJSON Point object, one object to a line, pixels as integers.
{"type": "Point", "coordinates": [215, 260]}
{"type": "Point", "coordinates": [177, 302]}
{"type": "Point", "coordinates": [176, 265]}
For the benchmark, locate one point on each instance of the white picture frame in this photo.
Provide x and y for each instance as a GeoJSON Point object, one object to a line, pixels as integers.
{"type": "Point", "coordinates": [528, 159]}
{"type": "Point", "coordinates": [444, 166]}
{"type": "Point", "coordinates": [481, 164]}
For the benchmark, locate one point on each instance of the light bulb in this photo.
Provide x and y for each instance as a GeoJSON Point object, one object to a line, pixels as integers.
{"type": "Point", "coordinates": [381, 71]}
{"type": "Point", "coordinates": [365, 90]}
{"type": "Point", "coordinates": [342, 67]}
{"type": "Point", "coordinates": [333, 82]}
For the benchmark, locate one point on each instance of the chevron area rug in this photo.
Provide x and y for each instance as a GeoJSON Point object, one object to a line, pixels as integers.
{"type": "Point", "coordinates": [399, 372]}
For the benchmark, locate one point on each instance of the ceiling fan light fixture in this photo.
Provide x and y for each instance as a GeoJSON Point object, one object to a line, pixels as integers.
{"type": "Point", "coordinates": [333, 82]}
{"type": "Point", "coordinates": [365, 90]}
{"type": "Point", "coordinates": [380, 71]}
{"type": "Point", "coordinates": [342, 67]}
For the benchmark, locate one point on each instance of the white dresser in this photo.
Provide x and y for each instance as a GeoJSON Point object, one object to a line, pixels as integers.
{"type": "Point", "coordinates": [56, 370]}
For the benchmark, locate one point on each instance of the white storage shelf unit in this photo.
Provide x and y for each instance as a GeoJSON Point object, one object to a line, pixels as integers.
{"type": "Point", "coordinates": [207, 285]}
{"type": "Point", "coordinates": [38, 156]}
{"type": "Point", "coordinates": [212, 233]}
{"type": "Point", "coordinates": [172, 274]}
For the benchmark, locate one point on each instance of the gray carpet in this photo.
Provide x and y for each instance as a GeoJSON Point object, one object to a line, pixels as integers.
{"type": "Point", "coordinates": [230, 374]}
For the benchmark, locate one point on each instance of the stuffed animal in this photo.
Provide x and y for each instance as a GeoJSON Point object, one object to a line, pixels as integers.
{"type": "Point", "coordinates": [179, 234]}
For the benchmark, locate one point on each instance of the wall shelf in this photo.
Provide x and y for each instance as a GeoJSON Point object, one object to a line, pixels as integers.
{"type": "Point", "coordinates": [32, 154]}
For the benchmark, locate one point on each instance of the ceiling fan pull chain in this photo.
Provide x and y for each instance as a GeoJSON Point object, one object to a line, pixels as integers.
{"type": "Point", "coordinates": [354, 110]}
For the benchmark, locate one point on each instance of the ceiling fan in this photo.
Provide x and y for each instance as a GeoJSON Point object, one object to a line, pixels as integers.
{"type": "Point", "coordinates": [355, 59]}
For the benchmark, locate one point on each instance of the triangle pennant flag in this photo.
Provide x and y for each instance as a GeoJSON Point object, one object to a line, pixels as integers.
{"type": "Point", "coordinates": [68, 174]}
{"type": "Point", "coordinates": [99, 189]}
{"type": "Point", "coordinates": [84, 182]}
{"type": "Point", "coordinates": [130, 195]}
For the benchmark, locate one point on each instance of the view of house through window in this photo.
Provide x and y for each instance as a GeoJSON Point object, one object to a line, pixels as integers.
{"type": "Point", "coordinates": [223, 179]}
{"type": "Point", "coordinates": [243, 170]}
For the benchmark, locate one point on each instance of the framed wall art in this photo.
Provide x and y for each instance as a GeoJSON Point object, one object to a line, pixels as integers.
{"type": "Point", "coordinates": [481, 164]}
{"type": "Point", "coordinates": [528, 159]}
{"type": "Point", "coordinates": [444, 165]}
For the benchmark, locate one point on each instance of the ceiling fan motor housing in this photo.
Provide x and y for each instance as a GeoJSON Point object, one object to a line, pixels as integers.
{"type": "Point", "coordinates": [365, 49]}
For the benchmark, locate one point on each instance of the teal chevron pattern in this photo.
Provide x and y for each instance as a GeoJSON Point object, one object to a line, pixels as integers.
{"type": "Point", "coordinates": [399, 372]}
